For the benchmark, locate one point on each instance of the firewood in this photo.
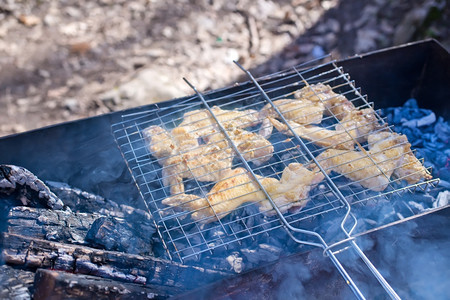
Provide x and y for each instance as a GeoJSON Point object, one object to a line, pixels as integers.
{"type": "Point", "coordinates": [53, 225]}
{"type": "Point", "coordinates": [36, 253]}
{"type": "Point", "coordinates": [104, 232]}
{"type": "Point", "coordinates": [50, 284]}
{"type": "Point", "coordinates": [81, 201]}
{"type": "Point", "coordinates": [15, 283]}
{"type": "Point", "coordinates": [27, 189]}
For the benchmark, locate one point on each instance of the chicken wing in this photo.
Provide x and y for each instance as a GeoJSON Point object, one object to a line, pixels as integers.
{"type": "Point", "coordinates": [239, 187]}
{"type": "Point", "coordinates": [160, 142]}
{"type": "Point", "coordinates": [359, 123]}
{"type": "Point", "coordinates": [408, 168]}
{"type": "Point", "coordinates": [200, 123]}
{"type": "Point", "coordinates": [373, 168]}
{"type": "Point", "coordinates": [297, 110]}
{"type": "Point", "coordinates": [411, 170]}
{"type": "Point", "coordinates": [335, 104]}
{"type": "Point", "coordinates": [251, 145]}
{"type": "Point", "coordinates": [182, 157]}
{"type": "Point", "coordinates": [320, 136]}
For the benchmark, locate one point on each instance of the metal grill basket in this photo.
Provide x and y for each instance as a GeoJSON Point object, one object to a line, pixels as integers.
{"type": "Point", "coordinates": [248, 164]}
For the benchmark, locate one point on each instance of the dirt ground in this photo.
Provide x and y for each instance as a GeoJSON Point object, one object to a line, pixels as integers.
{"type": "Point", "coordinates": [65, 60]}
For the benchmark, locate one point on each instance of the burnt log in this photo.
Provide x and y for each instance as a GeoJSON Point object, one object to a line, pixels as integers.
{"type": "Point", "coordinates": [115, 234]}
{"type": "Point", "coordinates": [26, 188]}
{"type": "Point", "coordinates": [110, 233]}
{"type": "Point", "coordinates": [82, 201]}
{"type": "Point", "coordinates": [130, 230]}
{"type": "Point", "coordinates": [52, 225]}
{"type": "Point", "coordinates": [50, 284]}
{"type": "Point", "coordinates": [15, 283]}
{"type": "Point", "coordinates": [34, 253]}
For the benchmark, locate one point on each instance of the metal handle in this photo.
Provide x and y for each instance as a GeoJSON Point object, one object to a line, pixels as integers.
{"type": "Point", "coordinates": [346, 276]}
{"type": "Point", "coordinates": [328, 252]}
{"type": "Point", "coordinates": [389, 290]}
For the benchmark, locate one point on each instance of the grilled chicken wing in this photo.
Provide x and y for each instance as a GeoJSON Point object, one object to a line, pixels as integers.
{"type": "Point", "coordinates": [200, 123]}
{"type": "Point", "coordinates": [239, 187]}
{"type": "Point", "coordinates": [373, 169]}
{"type": "Point", "coordinates": [335, 104]}
{"type": "Point", "coordinates": [182, 157]}
{"type": "Point", "coordinates": [308, 107]}
{"type": "Point", "coordinates": [297, 110]}
{"type": "Point", "coordinates": [411, 170]}
{"type": "Point", "coordinates": [359, 123]}
{"type": "Point", "coordinates": [161, 144]}
{"type": "Point", "coordinates": [251, 145]}
{"type": "Point", "coordinates": [318, 135]}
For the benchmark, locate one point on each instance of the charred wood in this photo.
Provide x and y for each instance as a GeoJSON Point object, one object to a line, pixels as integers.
{"type": "Point", "coordinates": [50, 284]}
{"type": "Point", "coordinates": [35, 253]}
{"type": "Point", "coordinates": [26, 188]}
{"type": "Point", "coordinates": [110, 233]}
{"type": "Point", "coordinates": [122, 227]}
{"type": "Point", "coordinates": [82, 201]}
{"type": "Point", "coordinates": [52, 225]}
{"type": "Point", "coordinates": [15, 283]}
{"type": "Point", "coordinates": [114, 234]}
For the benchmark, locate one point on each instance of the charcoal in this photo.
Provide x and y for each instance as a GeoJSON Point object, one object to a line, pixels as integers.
{"type": "Point", "coordinates": [442, 129]}
{"type": "Point", "coordinates": [26, 252]}
{"type": "Point", "coordinates": [62, 285]}
{"type": "Point", "coordinates": [15, 283]}
{"type": "Point", "coordinates": [430, 137]}
{"type": "Point", "coordinates": [26, 188]}
{"type": "Point", "coordinates": [442, 199]}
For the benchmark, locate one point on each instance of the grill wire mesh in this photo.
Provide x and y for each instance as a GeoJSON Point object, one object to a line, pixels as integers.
{"type": "Point", "coordinates": [208, 154]}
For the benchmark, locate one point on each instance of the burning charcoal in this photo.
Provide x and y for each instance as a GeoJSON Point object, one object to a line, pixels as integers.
{"type": "Point", "coordinates": [15, 283]}
{"type": "Point", "coordinates": [443, 183]}
{"type": "Point", "coordinates": [251, 255]}
{"type": "Point", "coordinates": [62, 285]}
{"type": "Point", "coordinates": [216, 262]}
{"type": "Point", "coordinates": [418, 207]}
{"type": "Point", "coordinates": [118, 235]}
{"type": "Point", "coordinates": [27, 188]}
